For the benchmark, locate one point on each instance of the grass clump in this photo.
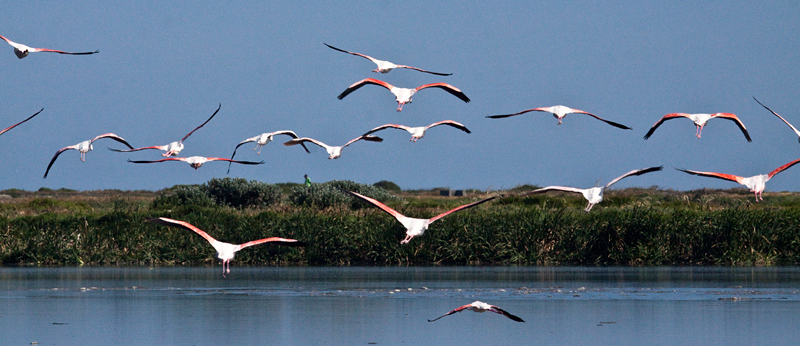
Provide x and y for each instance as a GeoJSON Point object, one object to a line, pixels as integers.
{"type": "Point", "coordinates": [329, 194]}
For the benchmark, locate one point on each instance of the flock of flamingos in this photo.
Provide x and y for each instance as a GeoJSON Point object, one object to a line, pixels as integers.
{"type": "Point", "coordinates": [414, 226]}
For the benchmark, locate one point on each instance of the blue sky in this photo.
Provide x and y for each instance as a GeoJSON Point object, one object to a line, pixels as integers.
{"type": "Point", "coordinates": [163, 68]}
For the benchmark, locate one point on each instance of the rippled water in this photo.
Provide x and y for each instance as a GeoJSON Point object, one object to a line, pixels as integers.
{"type": "Point", "coordinates": [391, 306]}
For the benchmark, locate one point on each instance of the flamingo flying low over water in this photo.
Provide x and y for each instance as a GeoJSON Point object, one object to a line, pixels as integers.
{"type": "Point", "coordinates": [419, 132]}
{"type": "Point", "coordinates": [198, 161]}
{"type": "Point", "coordinates": [560, 112]}
{"type": "Point", "coordinates": [595, 194]}
{"type": "Point", "coordinates": [22, 50]}
{"type": "Point", "coordinates": [700, 120]}
{"type": "Point", "coordinates": [174, 148]}
{"type": "Point", "coordinates": [385, 66]}
{"type": "Point", "coordinates": [85, 147]}
{"type": "Point", "coordinates": [779, 117]}
{"type": "Point", "coordinates": [333, 152]}
{"type": "Point", "coordinates": [225, 251]}
{"type": "Point", "coordinates": [415, 227]}
{"type": "Point", "coordinates": [756, 183]}
{"type": "Point", "coordinates": [17, 124]}
{"type": "Point", "coordinates": [479, 306]}
{"type": "Point", "coordinates": [262, 140]}
{"type": "Point", "coordinates": [403, 95]}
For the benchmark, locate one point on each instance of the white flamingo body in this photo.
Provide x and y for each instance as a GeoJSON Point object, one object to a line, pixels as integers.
{"type": "Point", "coordinates": [385, 66]}
{"type": "Point", "coordinates": [84, 147]}
{"type": "Point", "coordinates": [757, 183]}
{"type": "Point", "coordinates": [17, 124]}
{"type": "Point", "coordinates": [174, 148]}
{"type": "Point", "coordinates": [334, 152]}
{"type": "Point", "coordinates": [403, 95]}
{"type": "Point", "coordinates": [700, 120]}
{"type": "Point", "coordinates": [198, 161]}
{"type": "Point", "coordinates": [594, 195]}
{"type": "Point", "coordinates": [22, 50]}
{"type": "Point", "coordinates": [481, 307]}
{"type": "Point", "coordinates": [797, 132]}
{"type": "Point", "coordinates": [225, 251]}
{"type": "Point", "coordinates": [419, 132]}
{"type": "Point", "coordinates": [414, 227]}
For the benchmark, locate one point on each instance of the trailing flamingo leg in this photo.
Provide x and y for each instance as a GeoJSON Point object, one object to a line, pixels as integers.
{"type": "Point", "coordinates": [407, 239]}
{"type": "Point", "coordinates": [400, 106]}
{"type": "Point", "coordinates": [699, 131]}
{"type": "Point", "coordinates": [589, 207]}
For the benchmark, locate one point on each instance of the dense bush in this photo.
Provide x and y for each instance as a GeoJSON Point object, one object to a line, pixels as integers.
{"type": "Point", "coordinates": [240, 193]}
{"type": "Point", "coordinates": [329, 194]}
{"type": "Point", "coordinates": [387, 185]}
{"type": "Point", "coordinates": [237, 193]}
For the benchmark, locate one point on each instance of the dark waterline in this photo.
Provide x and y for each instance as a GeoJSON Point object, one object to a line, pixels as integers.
{"type": "Point", "coordinates": [391, 305]}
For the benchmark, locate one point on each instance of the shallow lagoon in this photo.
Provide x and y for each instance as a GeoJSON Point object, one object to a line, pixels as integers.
{"type": "Point", "coordinates": [391, 306]}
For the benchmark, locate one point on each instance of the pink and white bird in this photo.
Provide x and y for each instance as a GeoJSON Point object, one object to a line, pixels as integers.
{"type": "Point", "coordinates": [478, 306]}
{"type": "Point", "coordinates": [225, 251]}
{"type": "Point", "coordinates": [779, 117]}
{"type": "Point", "coordinates": [560, 112]}
{"type": "Point", "coordinates": [419, 132]}
{"type": "Point", "coordinates": [756, 183]}
{"type": "Point", "coordinates": [403, 95]}
{"type": "Point", "coordinates": [333, 152]}
{"type": "Point", "coordinates": [198, 161]}
{"type": "Point", "coordinates": [22, 50]}
{"type": "Point", "coordinates": [262, 140]}
{"type": "Point", "coordinates": [17, 124]}
{"type": "Point", "coordinates": [174, 148]}
{"type": "Point", "coordinates": [385, 66]}
{"type": "Point", "coordinates": [415, 227]}
{"type": "Point", "coordinates": [700, 120]}
{"type": "Point", "coordinates": [85, 147]}
{"type": "Point", "coordinates": [595, 194]}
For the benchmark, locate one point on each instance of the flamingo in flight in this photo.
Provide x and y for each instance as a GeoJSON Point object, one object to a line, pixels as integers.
{"type": "Point", "coordinates": [225, 251]}
{"type": "Point", "coordinates": [17, 124]}
{"type": "Point", "coordinates": [174, 148]}
{"type": "Point", "coordinates": [700, 120]}
{"type": "Point", "coordinates": [478, 306]}
{"type": "Point", "coordinates": [419, 132]}
{"type": "Point", "coordinates": [415, 227]}
{"type": "Point", "coordinates": [333, 152]}
{"type": "Point", "coordinates": [198, 161]}
{"type": "Point", "coordinates": [262, 140]}
{"type": "Point", "coordinates": [385, 66]}
{"type": "Point", "coordinates": [22, 50]}
{"type": "Point", "coordinates": [560, 112]}
{"type": "Point", "coordinates": [780, 117]}
{"type": "Point", "coordinates": [595, 194]}
{"type": "Point", "coordinates": [403, 95]}
{"type": "Point", "coordinates": [85, 147]}
{"type": "Point", "coordinates": [756, 183]}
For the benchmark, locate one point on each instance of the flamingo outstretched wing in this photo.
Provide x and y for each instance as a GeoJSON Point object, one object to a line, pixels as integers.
{"type": "Point", "coordinates": [618, 125]}
{"type": "Point", "coordinates": [386, 126]}
{"type": "Point", "coordinates": [730, 177]}
{"type": "Point", "coordinates": [450, 123]}
{"type": "Point", "coordinates": [384, 207]}
{"type": "Point", "coordinates": [437, 217]}
{"type": "Point", "coordinates": [368, 138]}
{"type": "Point", "coordinates": [364, 82]}
{"type": "Point", "coordinates": [456, 310]}
{"type": "Point", "coordinates": [662, 120]}
{"type": "Point", "coordinates": [182, 224]}
{"type": "Point", "coordinates": [635, 172]}
{"type": "Point", "coordinates": [781, 168]}
{"type": "Point", "coordinates": [554, 188]}
{"type": "Point", "coordinates": [17, 124]}
{"type": "Point", "coordinates": [306, 139]}
{"type": "Point", "coordinates": [779, 116]}
{"type": "Point", "coordinates": [56, 156]}
{"type": "Point", "coordinates": [274, 241]}
{"type": "Point", "coordinates": [734, 118]}
{"type": "Point", "coordinates": [446, 87]}
{"type": "Point", "coordinates": [203, 124]}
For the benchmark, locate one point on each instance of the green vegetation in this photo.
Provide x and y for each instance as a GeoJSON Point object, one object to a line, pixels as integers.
{"type": "Point", "coordinates": [630, 227]}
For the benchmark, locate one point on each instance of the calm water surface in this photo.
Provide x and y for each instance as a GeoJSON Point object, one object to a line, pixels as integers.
{"type": "Point", "coordinates": [391, 306]}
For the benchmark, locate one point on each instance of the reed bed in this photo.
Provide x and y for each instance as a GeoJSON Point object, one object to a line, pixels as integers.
{"type": "Point", "coordinates": [631, 227]}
